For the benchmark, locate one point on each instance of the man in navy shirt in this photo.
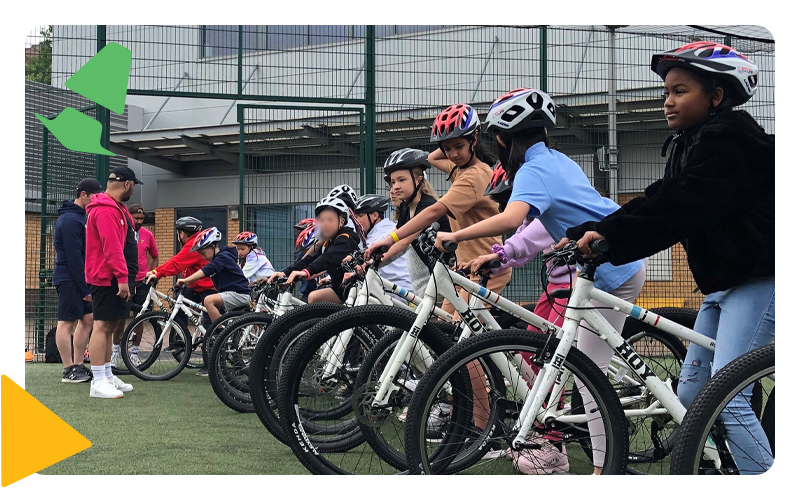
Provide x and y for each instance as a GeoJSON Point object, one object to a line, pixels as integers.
{"type": "Point", "coordinates": [74, 298]}
{"type": "Point", "coordinates": [223, 269]}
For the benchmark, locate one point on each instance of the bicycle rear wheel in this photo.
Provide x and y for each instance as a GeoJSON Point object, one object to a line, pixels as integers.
{"type": "Point", "coordinates": [549, 449]}
{"type": "Point", "coordinates": [722, 413]}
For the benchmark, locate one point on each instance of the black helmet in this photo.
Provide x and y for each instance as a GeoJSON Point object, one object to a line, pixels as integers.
{"type": "Point", "coordinates": [405, 159]}
{"type": "Point", "coordinates": [188, 225]}
{"type": "Point", "coordinates": [372, 203]}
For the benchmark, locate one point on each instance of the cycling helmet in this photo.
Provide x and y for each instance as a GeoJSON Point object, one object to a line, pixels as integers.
{"type": "Point", "coordinates": [247, 238]}
{"type": "Point", "coordinates": [307, 236]}
{"type": "Point", "coordinates": [335, 203]}
{"type": "Point", "coordinates": [521, 109]}
{"type": "Point", "coordinates": [344, 193]}
{"type": "Point", "coordinates": [205, 238]}
{"type": "Point", "coordinates": [458, 120]}
{"type": "Point", "coordinates": [499, 188]}
{"type": "Point", "coordinates": [188, 225]}
{"type": "Point", "coordinates": [371, 203]}
{"type": "Point", "coordinates": [717, 60]}
{"type": "Point", "coordinates": [405, 159]}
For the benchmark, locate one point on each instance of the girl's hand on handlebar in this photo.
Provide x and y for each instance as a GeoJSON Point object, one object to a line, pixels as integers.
{"type": "Point", "coordinates": [586, 239]}
{"type": "Point", "coordinates": [387, 241]}
{"type": "Point", "coordinates": [295, 276]}
{"type": "Point", "coordinates": [477, 262]}
{"type": "Point", "coordinates": [275, 276]}
{"type": "Point", "coordinates": [149, 276]}
{"type": "Point", "coordinates": [324, 281]}
{"type": "Point", "coordinates": [443, 237]}
{"type": "Point", "coordinates": [181, 282]}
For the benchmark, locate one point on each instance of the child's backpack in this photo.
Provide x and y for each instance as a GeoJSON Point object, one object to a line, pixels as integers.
{"type": "Point", "coordinates": [51, 354]}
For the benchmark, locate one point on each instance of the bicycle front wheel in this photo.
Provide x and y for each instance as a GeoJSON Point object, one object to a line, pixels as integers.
{"type": "Point", "coordinates": [151, 361]}
{"type": "Point", "coordinates": [723, 414]}
{"type": "Point", "coordinates": [433, 438]}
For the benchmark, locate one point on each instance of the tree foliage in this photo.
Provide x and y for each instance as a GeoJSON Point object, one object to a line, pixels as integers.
{"type": "Point", "coordinates": [40, 65]}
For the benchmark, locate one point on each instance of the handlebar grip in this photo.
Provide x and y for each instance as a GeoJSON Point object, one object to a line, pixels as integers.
{"type": "Point", "coordinates": [450, 246]}
{"type": "Point", "coordinates": [493, 264]}
{"type": "Point", "coordinates": [381, 250]}
{"type": "Point", "coordinates": [599, 247]}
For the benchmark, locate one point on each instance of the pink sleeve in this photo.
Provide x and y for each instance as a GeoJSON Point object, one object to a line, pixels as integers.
{"type": "Point", "coordinates": [526, 244]}
{"type": "Point", "coordinates": [151, 246]}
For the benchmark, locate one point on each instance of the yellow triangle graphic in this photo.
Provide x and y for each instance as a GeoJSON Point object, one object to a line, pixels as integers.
{"type": "Point", "coordinates": [33, 437]}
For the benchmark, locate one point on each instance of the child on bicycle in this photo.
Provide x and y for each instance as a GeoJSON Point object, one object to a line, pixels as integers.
{"type": "Point", "coordinates": [370, 213]}
{"type": "Point", "coordinates": [717, 198]}
{"type": "Point", "coordinates": [339, 242]}
{"type": "Point", "coordinates": [549, 186]}
{"type": "Point", "coordinates": [404, 172]}
{"type": "Point", "coordinates": [461, 156]}
{"type": "Point", "coordinates": [254, 263]}
{"type": "Point", "coordinates": [223, 269]}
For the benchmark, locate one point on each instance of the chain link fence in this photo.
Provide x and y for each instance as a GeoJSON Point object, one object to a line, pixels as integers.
{"type": "Point", "coordinates": [320, 106]}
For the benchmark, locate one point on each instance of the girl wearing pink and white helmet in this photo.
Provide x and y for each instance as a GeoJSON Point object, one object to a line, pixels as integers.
{"type": "Point", "coordinates": [717, 198]}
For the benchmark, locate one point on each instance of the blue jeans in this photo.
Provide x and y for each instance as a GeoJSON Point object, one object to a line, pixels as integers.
{"type": "Point", "coordinates": [741, 319]}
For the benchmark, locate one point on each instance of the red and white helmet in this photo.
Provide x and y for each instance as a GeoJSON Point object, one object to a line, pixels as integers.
{"type": "Point", "coordinates": [205, 238]}
{"type": "Point", "coordinates": [458, 120]}
{"type": "Point", "coordinates": [521, 109]}
{"type": "Point", "coordinates": [246, 238]}
{"type": "Point", "coordinates": [719, 61]}
{"type": "Point", "coordinates": [307, 236]}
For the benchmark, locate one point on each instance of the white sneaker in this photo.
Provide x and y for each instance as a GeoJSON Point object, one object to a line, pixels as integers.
{"type": "Point", "coordinates": [116, 359]}
{"type": "Point", "coordinates": [119, 384]}
{"type": "Point", "coordinates": [135, 359]}
{"type": "Point", "coordinates": [104, 389]}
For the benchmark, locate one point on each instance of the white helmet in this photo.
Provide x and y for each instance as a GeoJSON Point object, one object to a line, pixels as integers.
{"type": "Point", "coordinates": [521, 109]}
{"type": "Point", "coordinates": [344, 193]}
{"type": "Point", "coordinates": [715, 60]}
{"type": "Point", "coordinates": [334, 203]}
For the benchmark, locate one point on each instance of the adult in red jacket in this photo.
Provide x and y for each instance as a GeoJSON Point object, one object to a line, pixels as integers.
{"type": "Point", "coordinates": [112, 261]}
{"type": "Point", "coordinates": [187, 263]}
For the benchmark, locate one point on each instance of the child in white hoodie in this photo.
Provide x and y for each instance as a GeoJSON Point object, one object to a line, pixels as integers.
{"type": "Point", "coordinates": [254, 263]}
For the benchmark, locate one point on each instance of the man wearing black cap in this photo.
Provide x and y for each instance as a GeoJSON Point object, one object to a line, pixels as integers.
{"type": "Point", "coordinates": [74, 298]}
{"type": "Point", "coordinates": [112, 261]}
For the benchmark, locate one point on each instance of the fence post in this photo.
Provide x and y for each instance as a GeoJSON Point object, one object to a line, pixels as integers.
{"type": "Point", "coordinates": [40, 333]}
{"type": "Point", "coordinates": [239, 64]}
{"type": "Point", "coordinates": [103, 116]}
{"type": "Point", "coordinates": [543, 58]}
{"type": "Point", "coordinates": [240, 119]}
{"type": "Point", "coordinates": [369, 108]}
{"type": "Point", "coordinates": [612, 115]}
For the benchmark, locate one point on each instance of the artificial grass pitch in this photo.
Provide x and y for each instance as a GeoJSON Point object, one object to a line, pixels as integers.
{"type": "Point", "coordinates": [173, 427]}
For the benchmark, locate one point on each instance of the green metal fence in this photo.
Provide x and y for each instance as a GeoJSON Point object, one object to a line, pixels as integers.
{"type": "Point", "coordinates": [320, 106]}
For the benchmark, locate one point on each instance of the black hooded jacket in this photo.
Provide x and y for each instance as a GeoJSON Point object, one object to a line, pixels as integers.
{"type": "Point", "coordinates": [69, 240]}
{"type": "Point", "coordinates": [717, 198]}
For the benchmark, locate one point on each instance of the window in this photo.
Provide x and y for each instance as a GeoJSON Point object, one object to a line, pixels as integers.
{"type": "Point", "coordinates": [319, 34]}
{"type": "Point", "coordinates": [210, 217]}
{"type": "Point", "coordinates": [223, 40]}
{"type": "Point", "coordinates": [274, 226]}
{"type": "Point", "coordinates": [281, 37]}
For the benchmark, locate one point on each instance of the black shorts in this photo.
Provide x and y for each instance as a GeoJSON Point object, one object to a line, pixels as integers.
{"type": "Point", "coordinates": [107, 305]}
{"type": "Point", "coordinates": [71, 305]}
{"type": "Point", "coordinates": [138, 297]}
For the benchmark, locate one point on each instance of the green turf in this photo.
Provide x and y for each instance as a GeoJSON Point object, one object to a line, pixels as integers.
{"type": "Point", "coordinates": [173, 427]}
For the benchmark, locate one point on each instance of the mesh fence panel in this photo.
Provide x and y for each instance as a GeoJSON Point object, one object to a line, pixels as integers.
{"type": "Point", "coordinates": [310, 136]}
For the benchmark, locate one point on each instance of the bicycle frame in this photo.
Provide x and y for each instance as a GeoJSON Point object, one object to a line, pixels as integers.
{"type": "Point", "coordinates": [192, 310]}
